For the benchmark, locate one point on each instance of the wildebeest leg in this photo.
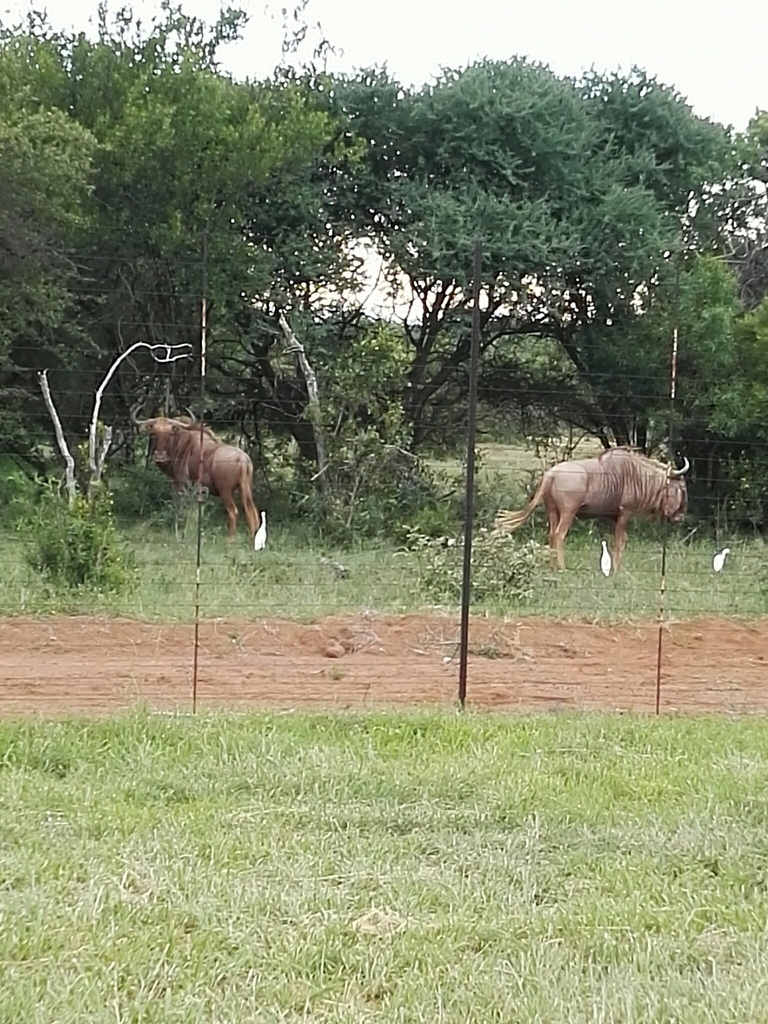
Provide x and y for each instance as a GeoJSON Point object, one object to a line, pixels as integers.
{"type": "Point", "coordinates": [552, 517]}
{"type": "Point", "coordinates": [229, 504]}
{"type": "Point", "coordinates": [561, 532]}
{"type": "Point", "coordinates": [619, 538]}
{"type": "Point", "coordinates": [231, 515]}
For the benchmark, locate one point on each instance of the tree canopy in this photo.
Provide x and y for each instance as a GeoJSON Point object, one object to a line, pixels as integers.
{"type": "Point", "coordinates": [138, 175]}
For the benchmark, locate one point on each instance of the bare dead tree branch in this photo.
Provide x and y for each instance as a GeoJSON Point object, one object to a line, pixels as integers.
{"type": "Point", "coordinates": [60, 439]}
{"type": "Point", "coordinates": [161, 354]}
{"type": "Point", "coordinates": [294, 347]}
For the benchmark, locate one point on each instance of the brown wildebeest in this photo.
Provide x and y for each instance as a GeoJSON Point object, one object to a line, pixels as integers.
{"type": "Point", "coordinates": [225, 468]}
{"type": "Point", "coordinates": [613, 485]}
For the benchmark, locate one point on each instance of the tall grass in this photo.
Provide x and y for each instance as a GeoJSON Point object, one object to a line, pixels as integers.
{"type": "Point", "coordinates": [299, 576]}
{"type": "Point", "coordinates": [415, 868]}
{"type": "Point", "coordinates": [297, 579]}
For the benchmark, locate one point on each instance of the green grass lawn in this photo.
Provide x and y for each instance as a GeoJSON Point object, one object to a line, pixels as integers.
{"type": "Point", "coordinates": [432, 867]}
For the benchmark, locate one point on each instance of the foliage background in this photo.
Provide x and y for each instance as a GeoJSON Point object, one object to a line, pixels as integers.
{"type": "Point", "coordinates": [608, 212]}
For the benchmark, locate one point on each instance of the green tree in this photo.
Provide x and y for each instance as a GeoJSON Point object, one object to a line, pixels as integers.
{"type": "Point", "coordinates": [746, 240]}
{"type": "Point", "coordinates": [46, 161]}
{"type": "Point", "coordinates": [577, 191]}
{"type": "Point", "coordinates": [186, 156]}
{"type": "Point", "coordinates": [183, 158]}
{"type": "Point", "coordinates": [735, 462]}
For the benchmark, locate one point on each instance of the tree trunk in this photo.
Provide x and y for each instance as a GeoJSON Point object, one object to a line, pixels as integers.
{"type": "Point", "coordinates": [60, 439]}
{"type": "Point", "coordinates": [294, 347]}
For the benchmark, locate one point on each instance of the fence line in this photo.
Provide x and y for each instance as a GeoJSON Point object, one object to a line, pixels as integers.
{"type": "Point", "coordinates": [309, 572]}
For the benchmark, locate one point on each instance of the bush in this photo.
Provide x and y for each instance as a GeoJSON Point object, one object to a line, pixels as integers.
{"type": "Point", "coordinates": [375, 489]}
{"type": "Point", "coordinates": [18, 490]}
{"type": "Point", "coordinates": [144, 493]}
{"type": "Point", "coordinates": [503, 568]}
{"type": "Point", "coordinates": [78, 547]}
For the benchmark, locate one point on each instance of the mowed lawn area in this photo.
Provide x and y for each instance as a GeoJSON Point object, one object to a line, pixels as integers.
{"type": "Point", "coordinates": [430, 867]}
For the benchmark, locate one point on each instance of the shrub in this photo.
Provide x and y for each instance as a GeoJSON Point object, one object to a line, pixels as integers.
{"type": "Point", "coordinates": [17, 491]}
{"type": "Point", "coordinates": [78, 547]}
{"type": "Point", "coordinates": [503, 568]}
{"type": "Point", "coordinates": [142, 492]}
{"type": "Point", "coordinates": [375, 489]}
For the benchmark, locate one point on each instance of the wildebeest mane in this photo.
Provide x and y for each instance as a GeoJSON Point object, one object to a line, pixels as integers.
{"type": "Point", "coordinates": [184, 443]}
{"type": "Point", "coordinates": [646, 478]}
{"type": "Point", "coordinates": [188, 424]}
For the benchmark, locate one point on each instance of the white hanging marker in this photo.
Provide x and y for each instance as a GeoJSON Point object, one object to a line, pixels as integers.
{"type": "Point", "coordinates": [260, 539]}
{"type": "Point", "coordinates": [605, 560]}
{"type": "Point", "coordinates": [719, 560]}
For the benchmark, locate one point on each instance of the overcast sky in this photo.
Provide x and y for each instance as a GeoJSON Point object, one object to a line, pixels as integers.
{"type": "Point", "coordinates": [715, 54]}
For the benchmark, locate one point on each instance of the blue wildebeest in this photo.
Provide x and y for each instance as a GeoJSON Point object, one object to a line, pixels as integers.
{"type": "Point", "coordinates": [224, 468]}
{"type": "Point", "coordinates": [614, 485]}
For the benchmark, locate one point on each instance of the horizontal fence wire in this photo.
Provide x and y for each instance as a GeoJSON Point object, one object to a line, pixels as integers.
{"type": "Point", "coordinates": [355, 599]}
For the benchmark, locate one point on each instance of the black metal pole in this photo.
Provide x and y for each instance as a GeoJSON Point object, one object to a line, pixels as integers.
{"type": "Point", "coordinates": [469, 503]}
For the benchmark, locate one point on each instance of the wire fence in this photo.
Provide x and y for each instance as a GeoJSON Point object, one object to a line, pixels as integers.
{"type": "Point", "coordinates": [311, 624]}
{"type": "Point", "coordinates": [312, 621]}
{"type": "Point", "coordinates": [382, 644]}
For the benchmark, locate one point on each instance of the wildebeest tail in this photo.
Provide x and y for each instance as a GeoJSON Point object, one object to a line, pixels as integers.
{"type": "Point", "coordinates": [507, 521]}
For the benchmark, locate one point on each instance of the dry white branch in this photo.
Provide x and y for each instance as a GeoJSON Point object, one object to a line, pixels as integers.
{"type": "Point", "coordinates": [96, 459]}
{"type": "Point", "coordinates": [60, 439]}
{"type": "Point", "coordinates": [294, 347]}
{"type": "Point", "coordinates": [161, 354]}
{"type": "Point", "coordinates": [101, 458]}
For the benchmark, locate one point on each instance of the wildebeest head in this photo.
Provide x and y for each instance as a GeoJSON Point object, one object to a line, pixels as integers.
{"type": "Point", "coordinates": [160, 429]}
{"type": "Point", "coordinates": [675, 500]}
{"type": "Point", "coordinates": [174, 438]}
{"type": "Point", "coordinates": [163, 433]}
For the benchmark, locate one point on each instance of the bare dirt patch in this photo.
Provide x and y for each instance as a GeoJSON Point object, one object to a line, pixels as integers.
{"type": "Point", "coordinates": [68, 664]}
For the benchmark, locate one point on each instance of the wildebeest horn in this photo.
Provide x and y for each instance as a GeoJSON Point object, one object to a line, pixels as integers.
{"type": "Point", "coordinates": [138, 422]}
{"type": "Point", "coordinates": [683, 471]}
{"type": "Point", "coordinates": [179, 423]}
{"type": "Point", "coordinates": [191, 414]}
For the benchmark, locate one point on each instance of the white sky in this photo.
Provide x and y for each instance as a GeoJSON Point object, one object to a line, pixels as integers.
{"type": "Point", "coordinates": [714, 54]}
